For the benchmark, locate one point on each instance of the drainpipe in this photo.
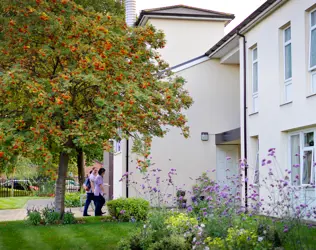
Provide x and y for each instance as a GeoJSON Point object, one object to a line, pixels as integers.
{"type": "Point", "coordinates": [127, 166]}
{"type": "Point", "coordinates": [245, 118]}
{"type": "Point", "coordinates": [130, 18]}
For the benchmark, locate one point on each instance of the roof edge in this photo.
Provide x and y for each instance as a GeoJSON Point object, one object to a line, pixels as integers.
{"type": "Point", "coordinates": [212, 14]}
{"type": "Point", "coordinates": [262, 10]}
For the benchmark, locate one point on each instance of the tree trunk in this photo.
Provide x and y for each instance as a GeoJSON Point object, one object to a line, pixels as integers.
{"type": "Point", "coordinates": [60, 185]}
{"type": "Point", "coordinates": [80, 165]}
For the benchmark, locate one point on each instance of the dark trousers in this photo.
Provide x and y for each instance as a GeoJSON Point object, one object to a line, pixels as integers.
{"type": "Point", "coordinates": [90, 197]}
{"type": "Point", "coordinates": [100, 201]}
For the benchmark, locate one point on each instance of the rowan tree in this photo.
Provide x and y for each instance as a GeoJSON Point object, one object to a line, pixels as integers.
{"type": "Point", "coordinates": [72, 78]}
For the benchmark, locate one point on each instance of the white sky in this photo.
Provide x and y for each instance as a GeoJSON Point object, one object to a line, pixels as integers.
{"type": "Point", "coordinates": [240, 8]}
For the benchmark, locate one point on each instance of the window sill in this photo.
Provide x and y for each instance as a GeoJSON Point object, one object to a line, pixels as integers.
{"type": "Point", "coordinates": [311, 95]}
{"type": "Point", "coordinates": [286, 103]}
{"type": "Point", "coordinates": [254, 113]}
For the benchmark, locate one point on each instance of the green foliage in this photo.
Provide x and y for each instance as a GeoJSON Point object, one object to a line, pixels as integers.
{"type": "Point", "coordinates": [173, 242]}
{"type": "Point", "coordinates": [139, 240]}
{"type": "Point", "coordinates": [181, 222]}
{"type": "Point", "coordinates": [69, 218]}
{"type": "Point", "coordinates": [33, 217]}
{"type": "Point", "coordinates": [50, 216]}
{"type": "Point", "coordinates": [72, 199]}
{"type": "Point", "coordinates": [114, 7]}
{"type": "Point", "coordinates": [128, 209]}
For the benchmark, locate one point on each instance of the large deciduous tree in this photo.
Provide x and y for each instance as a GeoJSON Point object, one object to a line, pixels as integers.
{"type": "Point", "coordinates": [72, 78]}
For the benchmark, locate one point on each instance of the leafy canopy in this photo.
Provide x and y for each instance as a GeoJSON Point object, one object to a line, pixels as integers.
{"type": "Point", "coordinates": [70, 77]}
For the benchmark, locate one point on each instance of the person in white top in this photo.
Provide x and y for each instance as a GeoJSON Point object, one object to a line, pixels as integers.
{"type": "Point", "coordinates": [89, 187]}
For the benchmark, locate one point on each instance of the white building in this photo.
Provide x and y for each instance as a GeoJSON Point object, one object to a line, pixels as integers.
{"type": "Point", "coordinates": [261, 77]}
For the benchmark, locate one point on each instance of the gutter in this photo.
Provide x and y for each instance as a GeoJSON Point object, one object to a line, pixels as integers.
{"type": "Point", "coordinates": [245, 118]}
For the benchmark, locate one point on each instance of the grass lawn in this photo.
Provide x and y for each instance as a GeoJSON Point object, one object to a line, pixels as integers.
{"type": "Point", "coordinates": [91, 235]}
{"type": "Point", "coordinates": [16, 202]}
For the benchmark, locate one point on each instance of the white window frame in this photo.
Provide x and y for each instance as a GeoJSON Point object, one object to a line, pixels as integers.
{"type": "Point", "coordinates": [287, 82]}
{"type": "Point", "coordinates": [311, 28]}
{"type": "Point", "coordinates": [256, 175]}
{"type": "Point", "coordinates": [255, 95]}
{"type": "Point", "coordinates": [303, 148]}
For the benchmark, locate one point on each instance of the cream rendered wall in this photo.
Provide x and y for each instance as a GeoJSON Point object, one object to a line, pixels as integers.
{"type": "Point", "coordinates": [187, 39]}
{"type": "Point", "coordinates": [214, 88]}
{"type": "Point", "coordinates": [273, 120]}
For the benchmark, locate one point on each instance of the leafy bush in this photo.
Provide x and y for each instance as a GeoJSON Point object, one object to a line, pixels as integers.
{"type": "Point", "coordinates": [136, 241]}
{"type": "Point", "coordinates": [72, 200]}
{"type": "Point", "coordinates": [174, 242]}
{"type": "Point", "coordinates": [34, 217]}
{"type": "Point", "coordinates": [50, 216]}
{"type": "Point", "coordinates": [129, 209]}
{"type": "Point", "coordinates": [69, 218]}
{"type": "Point", "coordinates": [181, 222]}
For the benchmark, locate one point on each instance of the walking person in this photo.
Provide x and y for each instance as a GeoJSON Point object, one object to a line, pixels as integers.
{"type": "Point", "coordinates": [89, 187]}
{"type": "Point", "coordinates": [99, 192]}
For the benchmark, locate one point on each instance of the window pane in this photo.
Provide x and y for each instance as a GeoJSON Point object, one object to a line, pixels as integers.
{"type": "Point", "coordinates": [288, 92]}
{"type": "Point", "coordinates": [313, 18]}
{"type": "Point", "coordinates": [255, 54]}
{"type": "Point", "coordinates": [287, 34]}
{"type": "Point", "coordinates": [256, 175]}
{"type": "Point", "coordinates": [288, 61]}
{"type": "Point", "coordinates": [295, 159]}
{"type": "Point", "coordinates": [255, 78]}
{"type": "Point", "coordinates": [255, 104]}
{"type": "Point", "coordinates": [309, 139]}
{"type": "Point", "coordinates": [314, 82]}
{"type": "Point", "coordinates": [307, 166]}
{"type": "Point", "coordinates": [313, 49]}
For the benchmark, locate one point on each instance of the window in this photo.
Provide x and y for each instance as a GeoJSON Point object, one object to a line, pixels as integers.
{"type": "Point", "coordinates": [312, 50]}
{"type": "Point", "coordinates": [312, 42]}
{"type": "Point", "coordinates": [302, 158]}
{"type": "Point", "coordinates": [287, 64]}
{"type": "Point", "coordinates": [295, 159]}
{"type": "Point", "coordinates": [256, 170]}
{"type": "Point", "coordinates": [255, 80]}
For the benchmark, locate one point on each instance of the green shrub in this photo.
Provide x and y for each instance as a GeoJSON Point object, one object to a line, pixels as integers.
{"type": "Point", "coordinates": [174, 242]}
{"type": "Point", "coordinates": [50, 216]}
{"type": "Point", "coordinates": [139, 240]}
{"type": "Point", "coordinates": [69, 218]}
{"type": "Point", "coordinates": [181, 222]}
{"type": "Point", "coordinates": [129, 209]}
{"type": "Point", "coordinates": [72, 200]}
{"type": "Point", "coordinates": [33, 217]}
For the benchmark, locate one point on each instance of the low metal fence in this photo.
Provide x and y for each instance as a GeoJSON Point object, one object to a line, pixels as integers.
{"type": "Point", "coordinates": [33, 187]}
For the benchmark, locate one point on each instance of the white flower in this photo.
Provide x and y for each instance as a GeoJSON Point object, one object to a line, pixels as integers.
{"type": "Point", "coordinates": [260, 239]}
{"type": "Point", "coordinates": [193, 247]}
{"type": "Point", "coordinates": [144, 226]}
{"type": "Point", "coordinates": [206, 248]}
{"type": "Point", "coordinates": [264, 232]}
{"type": "Point", "coordinates": [194, 239]}
{"type": "Point", "coordinates": [202, 225]}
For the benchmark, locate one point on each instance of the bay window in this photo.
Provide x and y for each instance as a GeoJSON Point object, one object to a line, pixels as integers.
{"type": "Point", "coordinates": [302, 158]}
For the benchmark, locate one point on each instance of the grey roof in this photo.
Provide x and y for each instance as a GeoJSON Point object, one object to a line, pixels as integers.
{"type": "Point", "coordinates": [184, 11]}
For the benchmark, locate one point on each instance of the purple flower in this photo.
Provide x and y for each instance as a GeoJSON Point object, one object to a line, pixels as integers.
{"type": "Point", "coordinates": [228, 158]}
{"type": "Point", "coordinates": [296, 165]}
{"type": "Point", "coordinates": [189, 209]}
{"type": "Point", "coordinates": [122, 212]}
{"type": "Point", "coordinates": [286, 229]}
{"type": "Point", "coordinates": [269, 162]}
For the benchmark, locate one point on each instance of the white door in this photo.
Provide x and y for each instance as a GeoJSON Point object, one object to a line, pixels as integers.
{"type": "Point", "coordinates": [227, 166]}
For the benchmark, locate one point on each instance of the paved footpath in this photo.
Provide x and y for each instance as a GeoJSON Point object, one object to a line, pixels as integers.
{"type": "Point", "coordinates": [20, 214]}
